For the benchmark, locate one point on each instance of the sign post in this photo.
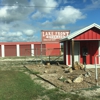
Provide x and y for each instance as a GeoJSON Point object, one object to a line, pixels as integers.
{"type": "Point", "coordinates": [52, 36]}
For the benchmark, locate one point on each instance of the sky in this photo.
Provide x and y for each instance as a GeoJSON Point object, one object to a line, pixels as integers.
{"type": "Point", "coordinates": [23, 20]}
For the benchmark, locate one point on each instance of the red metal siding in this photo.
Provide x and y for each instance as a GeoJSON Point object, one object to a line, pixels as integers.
{"type": "Point", "coordinates": [53, 49]}
{"type": "Point", "coordinates": [25, 50]}
{"type": "Point", "coordinates": [10, 50]}
{"type": "Point", "coordinates": [92, 47]}
{"type": "Point", "coordinates": [20, 43]}
{"type": "Point", "coordinates": [37, 49]}
{"type": "Point", "coordinates": [92, 34]}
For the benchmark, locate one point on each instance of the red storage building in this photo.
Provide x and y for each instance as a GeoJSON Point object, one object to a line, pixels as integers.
{"type": "Point", "coordinates": [51, 50]}
{"type": "Point", "coordinates": [28, 49]}
{"type": "Point", "coordinates": [83, 45]}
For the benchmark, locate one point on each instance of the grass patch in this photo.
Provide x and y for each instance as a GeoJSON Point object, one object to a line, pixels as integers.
{"type": "Point", "coordinates": [89, 89]}
{"type": "Point", "coordinates": [55, 94]}
{"type": "Point", "coordinates": [62, 79]}
{"type": "Point", "coordinates": [92, 88]}
{"type": "Point", "coordinates": [35, 72]}
{"type": "Point", "coordinates": [16, 85]}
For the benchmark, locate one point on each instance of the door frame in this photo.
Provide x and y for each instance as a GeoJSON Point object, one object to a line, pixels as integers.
{"type": "Point", "coordinates": [74, 53]}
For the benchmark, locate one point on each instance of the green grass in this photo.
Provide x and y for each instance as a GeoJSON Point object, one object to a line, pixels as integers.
{"type": "Point", "coordinates": [16, 85]}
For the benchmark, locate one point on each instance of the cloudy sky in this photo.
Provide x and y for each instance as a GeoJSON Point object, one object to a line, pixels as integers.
{"type": "Point", "coordinates": [23, 20]}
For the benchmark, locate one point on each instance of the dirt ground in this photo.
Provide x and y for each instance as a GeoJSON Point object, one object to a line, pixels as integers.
{"type": "Point", "coordinates": [56, 75]}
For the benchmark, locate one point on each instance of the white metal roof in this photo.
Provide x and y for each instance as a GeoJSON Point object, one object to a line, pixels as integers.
{"type": "Point", "coordinates": [76, 33]}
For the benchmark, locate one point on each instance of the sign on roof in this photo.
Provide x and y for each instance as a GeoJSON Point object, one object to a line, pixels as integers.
{"type": "Point", "coordinates": [53, 36]}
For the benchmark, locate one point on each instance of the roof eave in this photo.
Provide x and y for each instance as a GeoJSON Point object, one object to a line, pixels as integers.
{"type": "Point", "coordinates": [76, 33]}
{"type": "Point", "coordinates": [82, 30]}
{"type": "Point", "coordinates": [64, 39]}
